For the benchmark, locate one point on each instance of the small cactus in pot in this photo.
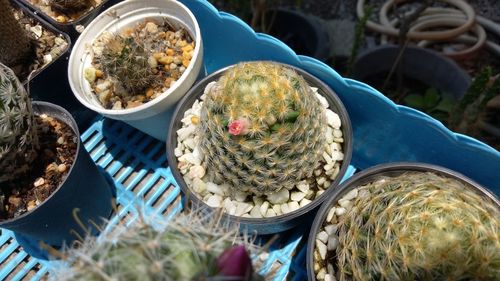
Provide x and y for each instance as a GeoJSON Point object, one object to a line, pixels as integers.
{"type": "Point", "coordinates": [262, 128]}
{"type": "Point", "coordinates": [70, 6]}
{"type": "Point", "coordinates": [413, 226]}
{"type": "Point", "coordinates": [191, 246]}
{"type": "Point", "coordinates": [18, 132]}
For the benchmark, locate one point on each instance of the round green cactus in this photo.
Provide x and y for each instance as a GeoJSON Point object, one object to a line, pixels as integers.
{"type": "Point", "coordinates": [18, 133]}
{"type": "Point", "coordinates": [262, 128]}
{"type": "Point", "coordinates": [419, 226]}
{"type": "Point", "coordinates": [191, 246]}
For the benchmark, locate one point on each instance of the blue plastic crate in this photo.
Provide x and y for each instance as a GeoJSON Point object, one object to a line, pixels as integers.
{"type": "Point", "coordinates": [383, 132]}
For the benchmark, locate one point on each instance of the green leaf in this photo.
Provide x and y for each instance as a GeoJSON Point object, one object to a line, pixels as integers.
{"type": "Point", "coordinates": [431, 98]}
{"type": "Point", "coordinates": [446, 104]}
{"type": "Point", "coordinates": [415, 101]}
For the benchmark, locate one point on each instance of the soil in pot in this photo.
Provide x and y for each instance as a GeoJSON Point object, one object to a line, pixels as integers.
{"type": "Point", "coordinates": [48, 46]}
{"type": "Point", "coordinates": [411, 226]}
{"type": "Point", "coordinates": [139, 63]}
{"type": "Point", "coordinates": [55, 157]}
{"type": "Point", "coordinates": [65, 11]}
{"type": "Point", "coordinates": [214, 148]}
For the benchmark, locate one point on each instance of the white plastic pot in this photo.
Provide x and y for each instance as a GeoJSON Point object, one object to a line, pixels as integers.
{"type": "Point", "coordinates": [154, 116]}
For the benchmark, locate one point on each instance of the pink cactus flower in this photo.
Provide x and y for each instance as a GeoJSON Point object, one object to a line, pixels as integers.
{"type": "Point", "coordinates": [235, 263]}
{"type": "Point", "coordinates": [239, 127]}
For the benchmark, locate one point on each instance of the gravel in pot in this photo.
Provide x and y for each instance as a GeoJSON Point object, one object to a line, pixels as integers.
{"type": "Point", "coordinates": [262, 141]}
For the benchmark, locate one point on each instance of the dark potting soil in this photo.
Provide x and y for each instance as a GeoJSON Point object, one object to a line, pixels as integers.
{"type": "Point", "coordinates": [47, 45]}
{"type": "Point", "coordinates": [392, 91]}
{"type": "Point", "coordinates": [58, 144]}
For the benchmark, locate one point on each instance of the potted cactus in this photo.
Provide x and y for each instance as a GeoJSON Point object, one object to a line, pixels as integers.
{"type": "Point", "coordinates": [189, 247]}
{"type": "Point", "coordinates": [67, 15]}
{"type": "Point", "coordinates": [406, 222]}
{"type": "Point", "coordinates": [43, 165]}
{"type": "Point", "coordinates": [261, 140]}
{"type": "Point", "coordinates": [139, 64]}
{"type": "Point", "coordinates": [27, 43]}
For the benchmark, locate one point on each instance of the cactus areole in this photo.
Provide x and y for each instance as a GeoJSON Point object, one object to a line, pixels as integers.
{"type": "Point", "coordinates": [262, 128]}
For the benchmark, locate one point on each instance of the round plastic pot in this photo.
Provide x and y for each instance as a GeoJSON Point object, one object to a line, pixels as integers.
{"type": "Point", "coordinates": [153, 116]}
{"type": "Point", "coordinates": [68, 27]}
{"type": "Point", "coordinates": [424, 65]}
{"type": "Point", "coordinates": [305, 34]}
{"type": "Point", "coordinates": [84, 189]}
{"type": "Point", "coordinates": [272, 224]}
{"type": "Point", "coordinates": [370, 175]}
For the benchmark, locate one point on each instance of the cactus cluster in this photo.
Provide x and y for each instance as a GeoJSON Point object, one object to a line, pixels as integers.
{"type": "Point", "coordinates": [15, 44]}
{"type": "Point", "coordinates": [18, 133]}
{"type": "Point", "coordinates": [190, 247]}
{"type": "Point", "coordinates": [262, 128]}
{"type": "Point", "coordinates": [70, 6]}
{"type": "Point", "coordinates": [419, 226]}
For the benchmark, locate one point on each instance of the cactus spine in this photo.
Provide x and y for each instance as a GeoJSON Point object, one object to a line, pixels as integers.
{"type": "Point", "coordinates": [262, 128]}
{"type": "Point", "coordinates": [190, 247]}
{"type": "Point", "coordinates": [420, 226]}
{"type": "Point", "coordinates": [18, 134]}
{"type": "Point", "coordinates": [69, 6]}
{"type": "Point", "coordinates": [15, 45]}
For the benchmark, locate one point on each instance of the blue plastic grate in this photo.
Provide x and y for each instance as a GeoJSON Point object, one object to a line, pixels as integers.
{"type": "Point", "coordinates": [137, 165]}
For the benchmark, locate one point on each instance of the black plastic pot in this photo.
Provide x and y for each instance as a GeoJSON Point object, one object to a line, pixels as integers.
{"type": "Point", "coordinates": [50, 83]}
{"type": "Point", "coordinates": [370, 175]}
{"type": "Point", "coordinates": [85, 188]}
{"type": "Point", "coordinates": [262, 225]}
{"type": "Point", "coordinates": [421, 64]}
{"type": "Point", "coordinates": [68, 27]}
{"type": "Point", "coordinates": [305, 34]}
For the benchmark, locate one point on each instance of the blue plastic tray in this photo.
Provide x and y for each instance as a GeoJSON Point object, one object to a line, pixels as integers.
{"type": "Point", "coordinates": [383, 132]}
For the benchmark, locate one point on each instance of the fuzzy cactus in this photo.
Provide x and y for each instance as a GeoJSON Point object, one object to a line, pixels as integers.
{"type": "Point", "coordinates": [70, 6]}
{"type": "Point", "coordinates": [419, 226]}
{"type": "Point", "coordinates": [126, 61]}
{"type": "Point", "coordinates": [262, 128]}
{"type": "Point", "coordinates": [190, 247]}
{"type": "Point", "coordinates": [18, 133]}
{"type": "Point", "coordinates": [15, 44]}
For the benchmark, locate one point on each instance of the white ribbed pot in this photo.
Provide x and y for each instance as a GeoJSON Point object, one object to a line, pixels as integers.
{"type": "Point", "coordinates": [152, 117]}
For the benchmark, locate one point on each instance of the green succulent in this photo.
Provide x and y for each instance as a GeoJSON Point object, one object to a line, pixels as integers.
{"type": "Point", "coordinates": [18, 133]}
{"type": "Point", "coordinates": [419, 226]}
{"type": "Point", "coordinates": [262, 128]}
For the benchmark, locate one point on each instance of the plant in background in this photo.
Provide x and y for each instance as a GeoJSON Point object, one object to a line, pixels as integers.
{"type": "Point", "coordinates": [18, 133]}
{"type": "Point", "coordinates": [433, 102]}
{"type": "Point", "coordinates": [358, 38]}
{"type": "Point", "coordinates": [126, 60]}
{"type": "Point", "coordinates": [471, 109]}
{"type": "Point", "coordinates": [419, 226]}
{"type": "Point", "coordinates": [262, 128]}
{"type": "Point", "coordinates": [15, 44]}
{"type": "Point", "coordinates": [70, 6]}
{"type": "Point", "coordinates": [191, 246]}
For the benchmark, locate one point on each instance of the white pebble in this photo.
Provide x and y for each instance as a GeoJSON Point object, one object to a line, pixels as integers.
{"type": "Point", "coordinates": [270, 213]}
{"type": "Point", "coordinates": [209, 87]}
{"type": "Point", "coordinates": [347, 204]}
{"type": "Point", "coordinates": [337, 156]}
{"type": "Point", "coordinates": [321, 180]}
{"type": "Point", "coordinates": [293, 206]}
{"type": "Point", "coordinates": [303, 186]}
{"type": "Point", "coordinates": [185, 132]}
{"type": "Point", "coordinates": [327, 158]}
{"type": "Point", "coordinates": [196, 172]}
{"type": "Point", "coordinates": [317, 172]}
{"type": "Point", "coordinates": [240, 196]}
{"type": "Point", "coordinates": [330, 270]}
{"type": "Point", "coordinates": [340, 211]}
{"type": "Point", "coordinates": [263, 208]}
{"type": "Point", "coordinates": [329, 135]}
{"type": "Point", "coordinates": [284, 208]}
{"type": "Point", "coordinates": [199, 186]}
{"type": "Point", "coordinates": [277, 209]}
{"type": "Point", "coordinates": [328, 167]}
{"type": "Point", "coordinates": [322, 236]}
{"type": "Point", "coordinates": [329, 277]}
{"type": "Point", "coordinates": [351, 195]}
{"type": "Point", "coordinates": [336, 170]}
{"type": "Point", "coordinates": [178, 152]}
{"type": "Point", "coordinates": [257, 200]}
{"type": "Point", "coordinates": [330, 214]}
{"type": "Point", "coordinates": [255, 212]}
{"type": "Point", "coordinates": [331, 229]}
{"type": "Point", "coordinates": [304, 202]}
{"type": "Point", "coordinates": [333, 119]}
{"type": "Point", "coordinates": [297, 196]}
{"type": "Point", "coordinates": [279, 197]}
{"type": "Point", "coordinates": [327, 183]}
{"type": "Point", "coordinates": [321, 248]}
{"type": "Point", "coordinates": [242, 208]}
{"type": "Point", "coordinates": [215, 189]}
{"type": "Point", "coordinates": [227, 204]}
{"type": "Point", "coordinates": [364, 193]}
{"type": "Point", "coordinates": [321, 274]}
{"type": "Point", "coordinates": [333, 242]}
{"type": "Point", "coordinates": [337, 133]}
{"type": "Point", "coordinates": [214, 201]}
{"type": "Point", "coordinates": [322, 99]}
